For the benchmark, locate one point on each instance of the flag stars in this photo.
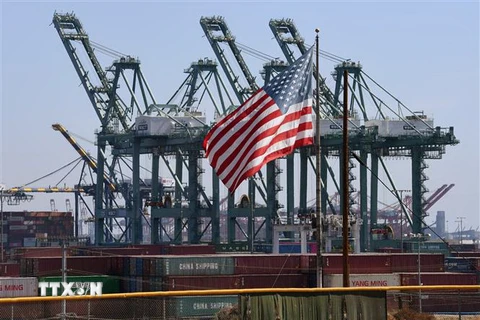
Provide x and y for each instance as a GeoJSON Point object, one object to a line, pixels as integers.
{"type": "Point", "coordinates": [293, 85]}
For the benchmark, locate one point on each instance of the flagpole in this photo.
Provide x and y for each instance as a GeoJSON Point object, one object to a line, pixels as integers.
{"type": "Point", "coordinates": [318, 205]}
{"type": "Point", "coordinates": [345, 184]}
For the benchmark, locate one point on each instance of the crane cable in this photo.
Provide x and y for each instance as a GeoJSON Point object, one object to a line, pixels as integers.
{"type": "Point", "coordinates": [266, 57]}
{"type": "Point", "coordinates": [53, 172]}
{"type": "Point", "coordinates": [106, 50]}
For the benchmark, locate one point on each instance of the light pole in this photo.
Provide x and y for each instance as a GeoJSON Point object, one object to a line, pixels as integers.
{"type": "Point", "coordinates": [419, 237]}
{"type": "Point", "coordinates": [2, 187]}
{"type": "Point", "coordinates": [402, 207]}
{"type": "Point", "coordinates": [460, 219]}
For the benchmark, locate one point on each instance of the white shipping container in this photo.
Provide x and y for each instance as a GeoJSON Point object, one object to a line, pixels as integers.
{"type": "Point", "coordinates": [154, 126]}
{"type": "Point", "coordinates": [18, 227]}
{"type": "Point", "coordinates": [335, 126]}
{"type": "Point", "coordinates": [18, 287]}
{"type": "Point", "coordinates": [392, 128]}
{"type": "Point", "coordinates": [15, 218]}
{"type": "Point", "coordinates": [191, 122]}
{"type": "Point", "coordinates": [164, 126]}
{"type": "Point", "coordinates": [363, 280]}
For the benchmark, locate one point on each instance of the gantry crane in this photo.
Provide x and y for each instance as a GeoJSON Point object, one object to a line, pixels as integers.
{"type": "Point", "coordinates": [116, 116]}
{"type": "Point", "coordinates": [123, 131]}
{"type": "Point", "coordinates": [183, 142]}
{"type": "Point", "coordinates": [412, 135]}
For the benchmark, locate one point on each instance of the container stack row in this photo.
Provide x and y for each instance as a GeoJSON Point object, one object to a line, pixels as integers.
{"type": "Point", "coordinates": [27, 229]}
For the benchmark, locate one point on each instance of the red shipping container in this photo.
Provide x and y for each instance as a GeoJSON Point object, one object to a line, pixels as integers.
{"type": "Point", "coordinates": [115, 251]}
{"type": "Point", "coordinates": [267, 264]}
{"type": "Point", "coordinates": [172, 283]}
{"type": "Point", "coordinates": [189, 249]}
{"type": "Point", "coordinates": [308, 263]}
{"type": "Point", "coordinates": [438, 278]}
{"type": "Point", "coordinates": [275, 281]}
{"type": "Point", "coordinates": [359, 263]}
{"type": "Point", "coordinates": [153, 249]}
{"type": "Point", "coordinates": [52, 266]}
{"type": "Point", "coordinates": [389, 250]}
{"type": "Point", "coordinates": [44, 252]}
{"type": "Point", "coordinates": [9, 269]}
{"type": "Point", "coordinates": [117, 265]}
{"type": "Point", "coordinates": [235, 282]}
{"type": "Point", "coordinates": [408, 262]}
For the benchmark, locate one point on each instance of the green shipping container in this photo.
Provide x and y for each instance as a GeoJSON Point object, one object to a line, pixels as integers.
{"type": "Point", "coordinates": [194, 266]}
{"type": "Point", "coordinates": [428, 246]}
{"type": "Point", "coordinates": [199, 306]}
{"type": "Point", "coordinates": [109, 284]}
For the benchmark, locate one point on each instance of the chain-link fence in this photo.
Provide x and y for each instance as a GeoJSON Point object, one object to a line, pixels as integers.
{"type": "Point", "coordinates": [392, 303]}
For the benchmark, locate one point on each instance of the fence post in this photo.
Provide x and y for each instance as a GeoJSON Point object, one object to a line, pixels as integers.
{"type": "Point", "coordinates": [459, 306]}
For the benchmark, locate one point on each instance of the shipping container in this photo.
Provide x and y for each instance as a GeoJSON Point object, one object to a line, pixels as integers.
{"type": "Point", "coordinates": [197, 265]}
{"type": "Point", "coordinates": [52, 266]}
{"type": "Point", "coordinates": [18, 287]}
{"type": "Point", "coordinates": [395, 128]}
{"type": "Point", "coordinates": [198, 306]}
{"type": "Point", "coordinates": [232, 247]}
{"type": "Point", "coordinates": [471, 254]}
{"type": "Point", "coordinates": [425, 246]}
{"type": "Point", "coordinates": [408, 262]}
{"type": "Point", "coordinates": [362, 280]}
{"type": "Point", "coordinates": [189, 249]}
{"type": "Point", "coordinates": [109, 284]}
{"type": "Point", "coordinates": [464, 247]}
{"type": "Point", "coordinates": [192, 265]}
{"type": "Point", "coordinates": [359, 263]}
{"type": "Point", "coordinates": [9, 269]}
{"type": "Point", "coordinates": [308, 263]}
{"type": "Point", "coordinates": [334, 126]}
{"type": "Point", "coordinates": [122, 251]}
{"type": "Point", "coordinates": [131, 284]}
{"type": "Point", "coordinates": [438, 278]}
{"type": "Point", "coordinates": [296, 247]}
{"type": "Point", "coordinates": [235, 282]}
{"type": "Point", "coordinates": [388, 250]}
{"type": "Point", "coordinates": [267, 263]}
{"type": "Point", "coordinates": [462, 264]}
{"type": "Point", "coordinates": [274, 281]}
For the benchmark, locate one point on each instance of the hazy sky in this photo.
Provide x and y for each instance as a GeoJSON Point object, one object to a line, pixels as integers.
{"type": "Point", "coordinates": [426, 54]}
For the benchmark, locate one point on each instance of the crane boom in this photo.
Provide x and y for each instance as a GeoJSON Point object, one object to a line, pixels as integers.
{"type": "Point", "coordinates": [45, 190]}
{"type": "Point", "coordinates": [85, 156]}
{"type": "Point", "coordinates": [212, 25]}
{"type": "Point", "coordinates": [71, 30]}
{"type": "Point", "coordinates": [437, 196]}
{"type": "Point", "coordinates": [286, 34]}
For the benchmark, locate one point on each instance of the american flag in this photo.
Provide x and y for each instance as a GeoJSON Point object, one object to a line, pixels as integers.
{"type": "Point", "coordinates": [270, 124]}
